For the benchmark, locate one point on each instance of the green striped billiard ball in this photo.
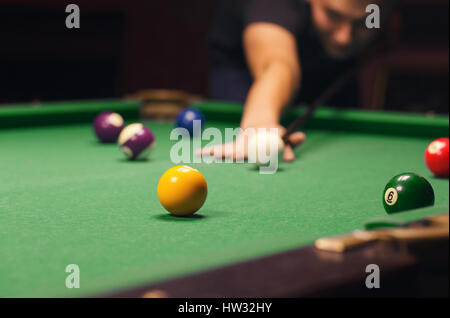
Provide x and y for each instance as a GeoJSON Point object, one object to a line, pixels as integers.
{"type": "Point", "coordinates": [407, 191]}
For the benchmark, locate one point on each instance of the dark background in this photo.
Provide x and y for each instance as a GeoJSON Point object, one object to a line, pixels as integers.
{"type": "Point", "coordinates": [126, 46]}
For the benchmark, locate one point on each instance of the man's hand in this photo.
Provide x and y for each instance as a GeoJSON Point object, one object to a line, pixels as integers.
{"type": "Point", "coordinates": [238, 148]}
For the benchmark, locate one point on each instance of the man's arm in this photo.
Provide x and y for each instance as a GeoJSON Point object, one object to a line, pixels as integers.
{"type": "Point", "coordinates": [272, 57]}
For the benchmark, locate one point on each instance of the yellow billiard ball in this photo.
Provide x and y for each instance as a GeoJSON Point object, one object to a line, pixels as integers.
{"type": "Point", "coordinates": [182, 190]}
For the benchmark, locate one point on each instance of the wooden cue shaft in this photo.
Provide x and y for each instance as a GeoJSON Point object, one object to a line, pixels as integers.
{"type": "Point", "coordinates": [322, 99]}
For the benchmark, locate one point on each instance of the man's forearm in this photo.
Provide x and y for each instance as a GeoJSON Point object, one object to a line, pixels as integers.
{"type": "Point", "coordinates": [269, 94]}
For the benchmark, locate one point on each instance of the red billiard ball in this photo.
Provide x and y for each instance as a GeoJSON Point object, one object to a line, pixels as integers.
{"type": "Point", "coordinates": [436, 157]}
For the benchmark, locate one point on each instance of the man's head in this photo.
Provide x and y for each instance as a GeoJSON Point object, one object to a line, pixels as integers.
{"type": "Point", "coordinates": [341, 24]}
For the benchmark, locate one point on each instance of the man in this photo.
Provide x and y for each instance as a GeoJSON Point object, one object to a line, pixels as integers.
{"type": "Point", "coordinates": [269, 53]}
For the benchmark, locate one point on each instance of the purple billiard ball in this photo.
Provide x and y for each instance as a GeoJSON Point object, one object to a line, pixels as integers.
{"type": "Point", "coordinates": [107, 126]}
{"type": "Point", "coordinates": [136, 141]}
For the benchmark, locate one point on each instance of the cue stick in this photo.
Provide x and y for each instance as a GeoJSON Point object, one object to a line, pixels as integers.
{"type": "Point", "coordinates": [322, 99]}
{"type": "Point", "coordinates": [334, 88]}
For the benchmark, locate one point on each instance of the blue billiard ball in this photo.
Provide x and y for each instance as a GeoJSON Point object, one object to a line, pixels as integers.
{"type": "Point", "coordinates": [185, 119]}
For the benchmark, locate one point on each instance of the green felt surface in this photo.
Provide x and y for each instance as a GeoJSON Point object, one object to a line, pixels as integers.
{"type": "Point", "coordinates": [66, 199]}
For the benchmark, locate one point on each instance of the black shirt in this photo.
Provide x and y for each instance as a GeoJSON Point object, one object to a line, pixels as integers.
{"type": "Point", "coordinates": [318, 69]}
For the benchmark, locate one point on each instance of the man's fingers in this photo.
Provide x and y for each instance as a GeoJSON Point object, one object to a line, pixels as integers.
{"type": "Point", "coordinates": [288, 155]}
{"type": "Point", "coordinates": [218, 151]}
{"type": "Point", "coordinates": [207, 151]}
{"type": "Point", "coordinates": [236, 150]}
{"type": "Point", "coordinates": [296, 138]}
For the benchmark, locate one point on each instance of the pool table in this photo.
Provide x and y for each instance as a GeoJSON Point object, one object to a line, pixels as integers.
{"type": "Point", "coordinates": [67, 199]}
